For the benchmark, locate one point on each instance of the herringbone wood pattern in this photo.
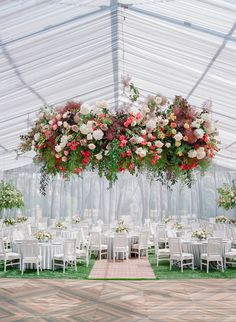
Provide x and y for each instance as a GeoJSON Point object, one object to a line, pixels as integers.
{"type": "Point", "coordinates": [123, 301]}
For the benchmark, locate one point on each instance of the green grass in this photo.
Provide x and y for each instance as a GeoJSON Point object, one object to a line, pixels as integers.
{"type": "Point", "coordinates": [81, 274]}
{"type": "Point", "coordinates": [162, 272]}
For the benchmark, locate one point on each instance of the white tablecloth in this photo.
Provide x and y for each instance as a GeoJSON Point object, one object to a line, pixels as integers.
{"type": "Point", "coordinates": [199, 247]}
{"type": "Point", "coordinates": [47, 251]}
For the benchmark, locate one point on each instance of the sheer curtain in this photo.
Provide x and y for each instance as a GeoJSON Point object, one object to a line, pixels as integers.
{"type": "Point", "coordinates": [137, 197]}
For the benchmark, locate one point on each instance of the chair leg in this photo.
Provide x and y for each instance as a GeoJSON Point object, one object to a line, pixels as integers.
{"type": "Point", "coordinates": [100, 255]}
{"type": "Point", "coordinates": [192, 264]}
{"type": "Point", "coordinates": [64, 267]}
{"type": "Point", "coordinates": [75, 265]}
{"type": "Point", "coordinates": [22, 268]}
{"type": "Point", "coordinates": [182, 268]}
{"type": "Point", "coordinates": [157, 261]}
{"type": "Point", "coordinates": [207, 266]}
{"type": "Point", "coordinates": [222, 267]}
{"type": "Point", "coordinates": [37, 263]}
{"type": "Point", "coordinates": [170, 264]}
{"type": "Point", "coordinates": [201, 265]}
{"type": "Point", "coordinates": [53, 264]}
{"type": "Point", "coordinates": [5, 266]}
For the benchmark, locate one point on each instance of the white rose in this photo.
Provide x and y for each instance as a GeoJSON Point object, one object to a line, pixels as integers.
{"type": "Point", "coordinates": [145, 109]}
{"type": "Point", "coordinates": [149, 144]}
{"type": "Point", "coordinates": [133, 123]}
{"type": "Point", "coordinates": [58, 148]}
{"type": "Point", "coordinates": [65, 124]}
{"type": "Point", "coordinates": [210, 127]}
{"type": "Point", "coordinates": [206, 116]}
{"type": "Point", "coordinates": [64, 139]}
{"type": "Point", "coordinates": [178, 136]}
{"type": "Point", "coordinates": [195, 124]}
{"type": "Point", "coordinates": [192, 154]}
{"type": "Point", "coordinates": [199, 133]}
{"type": "Point", "coordinates": [159, 151]}
{"type": "Point", "coordinates": [201, 153]}
{"type": "Point", "coordinates": [151, 124]}
{"type": "Point", "coordinates": [98, 134]}
{"type": "Point", "coordinates": [89, 136]}
{"type": "Point", "coordinates": [168, 145]}
{"type": "Point", "coordinates": [64, 116]}
{"type": "Point", "coordinates": [99, 106]}
{"type": "Point", "coordinates": [85, 109]}
{"type": "Point", "coordinates": [159, 144]}
{"type": "Point", "coordinates": [84, 129]}
{"type": "Point", "coordinates": [59, 123]}
{"type": "Point", "coordinates": [158, 100]}
{"type": "Point", "coordinates": [141, 152]}
{"type": "Point", "coordinates": [92, 146]}
{"type": "Point", "coordinates": [98, 156]}
{"type": "Point", "coordinates": [36, 136]}
{"type": "Point", "coordinates": [143, 132]}
{"type": "Point", "coordinates": [90, 125]}
{"type": "Point", "coordinates": [165, 122]}
{"type": "Point", "coordinates": [139, 139]}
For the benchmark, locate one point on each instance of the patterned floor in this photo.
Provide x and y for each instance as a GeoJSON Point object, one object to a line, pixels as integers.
{"type": "Point", "coordinates": [133, 268]}
{"type": "Point", "coordinates": [124, 301]}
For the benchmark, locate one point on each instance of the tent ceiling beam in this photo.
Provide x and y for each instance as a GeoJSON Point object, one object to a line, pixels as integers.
{"type": "Point", "coordinates": [222, 46]}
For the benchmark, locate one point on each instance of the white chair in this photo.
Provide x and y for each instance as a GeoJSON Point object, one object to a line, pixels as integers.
{"type": "Point", "coordinates": [141, 246]}
{"type": "Point", "coordinates": [176, 254]}
{"type": "Point", "coordinates": [7, 256]}
{"type": "Point", "coordinates": [68, 255]}
{"type": "Point", "coordinates": [95, 244]}
{"type": "Point", "coordinates": [161, 234]}
{"type": "Point", "coordinates": [30, 254]}
{"type": "Point", "coordinates": [214, 253]}
{"type": "Point", "coordinates": [82, 250]}
{"type": "Point", "coordinates": [230, 257]}
{"type": "Point", "coordinates": [120, 245]}
{"type": "Point", "coordinates": [161, 253]}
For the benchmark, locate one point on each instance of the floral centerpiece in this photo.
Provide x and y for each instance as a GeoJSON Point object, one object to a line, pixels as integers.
{"type": "Point", "coordinates": [43, 235]}
{"type": "Point", "coordinates": [167, 220]}
{"type": "Point", "coordinates": [76, 219]}
{"type": "Point", "coordinates": [21, 219]}
{"type": "Point", "coordinates": [167, 140]}
{"type": "Point", "coordinates": [232, 221]}
{"type": "Point", "coordinates": [60, 225]}
{"type": "Point", "coordinates": [178, 225]}
{"type": "Point", "coordinates": [121, 227]}
{"type": "Point", "coordinates": [221, 219]}
{"type": "Point", "coordinates": [10, 221]}
{"type": "Point", "coordinates": [227, 197]}
{"type": "Point", "coordinates": [10, 197]}
{"type": "Point", "coordinates": [200, 234]}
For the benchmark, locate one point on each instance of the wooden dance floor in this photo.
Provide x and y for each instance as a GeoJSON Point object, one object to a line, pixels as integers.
{"type": "Point", "coordinates": [73, 300]}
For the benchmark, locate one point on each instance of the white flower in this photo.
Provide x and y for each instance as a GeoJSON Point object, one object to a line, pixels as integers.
{"type": "Point", "coordinates": [36, 136]}
{"type": "Point", "coordinates": [159, 144]}
{"type": "Point", "coordinates": [199, 133]}
{"type": "Point", "coordinates": [98, 156]}
{"type": "Point", "coordinates": [168, 145]}
{"type": "Point", "coordinates": [139, 139]}
{"type": "Point", "coordinates": [158, 100]}
{"type": "Point", "coordinates": [210, 127]}
{"type": "Point", "coordinates": [99, 106]}
{"type": "Point", "coordinates": [91, 146]}
{"type": "Point", "coordinates": [98, 134]}
{"type": "Point", "coordinates": [85, 109]}
{"type": "Point", "coordinates": [64, 139]}
{"type": "Point", "coordinates": [201, 153]}
{"type": "Point", "coordinates": [145, 109]}
{"type": "Point", "coordinates": [84, 129]}
{"type": "Point", "coordinates": [206, 116]}
{"type": "Point", "coordinates": [195, 124]}
{"type": "Point", "coordinates": [65, 124]}
{"type": "Point", "coordinates": [192, 154]}
{"type": "Point", "coordinates": [149, 144]}
{"type": "Point", "coordinates": [159, 151]}
{"type": "Point", "coordinates": [151, 124]}
{"type": "Point", "coordinates": [90, 125]}
{"type": "Point", "coordinates": [64, 116]}
{"type": "Point", "coordinates": [178, 136]}
{"type": "Point", "coordinates": [59, 123]}
{"type": "Point", "coordinates": [143, 132]}
{"type": "Point", "coordinates": [58, 148]}
{"type": "Point", "coordinates": [141, 152]}
{"type": "Point", "coordinates": [133, 123]}
{"type": "Point", "coordinates": [89, 136]}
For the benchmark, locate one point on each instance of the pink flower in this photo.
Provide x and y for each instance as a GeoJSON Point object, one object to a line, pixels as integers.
{"type": "Point", "coordinates": [58, 117]}
{"type": "Point", "coordinates": [54, 127]}
{"type": "Point", "coordinates": [64, 159]}
{"type": "Point", "coordinates": [138, 116]}
{"type": "Point", "coordinates": [131, 167]}
{"type": "Point", "coordinates": [75, 128]}
{"type": "Point", "coordinates": [123, 141]}
{"type": "Point", "coordinates": [66, 152]}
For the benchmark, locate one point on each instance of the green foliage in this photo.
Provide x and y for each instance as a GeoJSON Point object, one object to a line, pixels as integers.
{"type": "Point", "coordinates": [10, 197]}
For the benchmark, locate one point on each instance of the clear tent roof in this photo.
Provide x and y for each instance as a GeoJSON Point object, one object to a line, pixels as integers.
{"type": "Point", "coordinates": [57, 50]}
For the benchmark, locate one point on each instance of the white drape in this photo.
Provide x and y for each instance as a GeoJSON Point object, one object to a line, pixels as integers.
{"type": "Point", "coordinates": [130, 195]}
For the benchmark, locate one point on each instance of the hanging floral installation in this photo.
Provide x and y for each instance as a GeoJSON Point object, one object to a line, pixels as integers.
{"type": "Point", "coordinates": [227, 196]}
{"type": "Point", "coordinates": [10, 197]}
{"type": "Point", "coordinates": [166, 140]}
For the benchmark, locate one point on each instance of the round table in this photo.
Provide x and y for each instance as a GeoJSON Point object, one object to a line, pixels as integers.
{"type": "Point", "coordinates": [47, 251]}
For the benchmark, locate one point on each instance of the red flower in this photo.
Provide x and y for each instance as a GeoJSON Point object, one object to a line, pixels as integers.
{"type": "Point", "coordinates": [206, 138]}
{"type": "Point", "coordinates": [63, 169]}
{"type": "Point", "coordinates": [123, 141]}
{"type": "Point", "coordinates": [121, 169]}
{"type": "Point", "coordinates": [173, 125]}
{"type": "Point", "coordinates": [138, 116]}
{"type": "Point", "coordinates": [86, 161]}
{"type": "Point", "coordinates": [131, 167]}
{"type": "Point", "coordinates": [73, 145]}
{"type": "Point", "coordinates": [123, 155]}
{"type": "Point", "coordinates": [78, 170]}
{"type": "Point", "coordinates": [85, 154]}
{"type": "Point", "coordinates": [128, 153]}
{"type": "Point", "coordinates": [47, 133]}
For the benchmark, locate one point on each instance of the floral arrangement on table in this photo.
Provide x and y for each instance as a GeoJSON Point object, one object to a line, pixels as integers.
{"type": "Point", "coordinates": [21, 219]}
{"type": "Point", "coordinates": [75, 219]}
{"type": "Point", "coordinates": [232, 221]}
{"type": "Point", "coordinates": [221, 219]}
{"type": "Point", "coordinates": [10, 221]}
{"type": "Point", "coordinates": [121, 227]}
{"type": "Point", "coordinates": [227, 196]}
{"type": "Point", "coordinates": [200, 234]}
{"type": "Point", "coordinates": [10, 197]}
{"type": "Point", "coordinates": [43, 235]}
{"type": "Point", "coordinates": [167, 220]}
{"type": "Point", "coordinates": [178, 226]}
{"type": "Point", "coordinates": [60, 225]}
{"type": "Point", "coordinates": [167, 140]}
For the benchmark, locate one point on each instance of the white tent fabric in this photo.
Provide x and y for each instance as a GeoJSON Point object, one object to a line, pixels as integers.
{"type": "Point", "coordinates": [58, 50]}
